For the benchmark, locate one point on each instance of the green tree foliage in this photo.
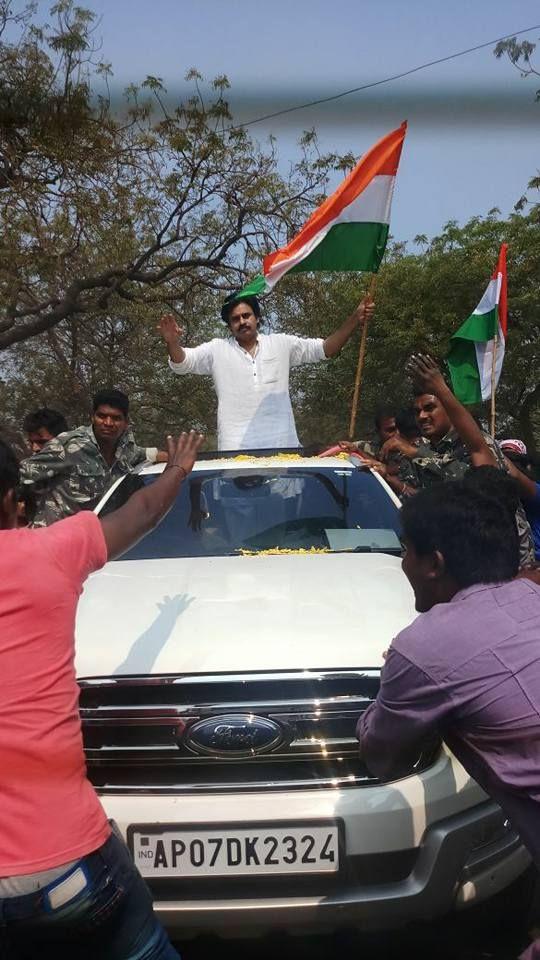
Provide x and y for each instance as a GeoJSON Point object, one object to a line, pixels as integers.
{"type": "Point", "coordinates": [63, 367]}
{"type": "Point", "coordinates": [102, 209]}
{"type": "Point", "coordinates": [421, 300]}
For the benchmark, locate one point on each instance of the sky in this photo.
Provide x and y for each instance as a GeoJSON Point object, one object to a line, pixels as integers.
{"type": "Point", "coordinates": [474, 127]}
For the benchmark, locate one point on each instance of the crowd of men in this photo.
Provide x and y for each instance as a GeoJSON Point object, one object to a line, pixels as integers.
{"type": "Point", "coordinates": [467, 669]}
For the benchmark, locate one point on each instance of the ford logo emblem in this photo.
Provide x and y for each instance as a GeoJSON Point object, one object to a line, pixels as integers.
{"type": "Point", "coordinates": [234, 735]}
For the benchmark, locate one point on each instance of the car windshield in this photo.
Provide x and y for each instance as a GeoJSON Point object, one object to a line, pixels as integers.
{"type": "Point", "coordinates": [225, 512]}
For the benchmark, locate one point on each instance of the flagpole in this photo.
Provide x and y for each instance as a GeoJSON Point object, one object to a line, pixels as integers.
{"type": "Point", "coordinates": [361, 359]}
{"type": "Point", "coordinates": [493, 383]}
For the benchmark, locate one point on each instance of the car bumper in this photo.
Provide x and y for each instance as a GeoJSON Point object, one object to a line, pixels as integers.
{"type": "Point", "coordinates": [414, 850]}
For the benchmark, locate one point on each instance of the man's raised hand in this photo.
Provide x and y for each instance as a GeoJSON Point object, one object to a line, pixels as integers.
{"type": "Point", "coordinates": [183, 451]}
{"type": "Point", "coordinates": [169, 328]}
{"type": "Point", "coordinates": [425, 373]}
{"type": "Point", "coordinates": [144, 510]}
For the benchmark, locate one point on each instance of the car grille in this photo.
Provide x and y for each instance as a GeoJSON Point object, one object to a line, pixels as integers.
{"type": "Point", "coordinates": [136, 731]}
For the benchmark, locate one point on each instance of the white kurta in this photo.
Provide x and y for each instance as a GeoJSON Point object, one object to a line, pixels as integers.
{"type": "Point", "coordinates": [254, 407]}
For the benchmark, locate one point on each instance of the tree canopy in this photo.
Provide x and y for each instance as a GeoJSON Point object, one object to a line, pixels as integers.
{"type": "Point", "coordinates": [109, 217]}
{"type": "Point", "coordinates": [104, 207]}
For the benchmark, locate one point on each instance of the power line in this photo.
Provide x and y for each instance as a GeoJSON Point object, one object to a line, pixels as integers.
{"type": "Point", "coordinates": [378, 83]}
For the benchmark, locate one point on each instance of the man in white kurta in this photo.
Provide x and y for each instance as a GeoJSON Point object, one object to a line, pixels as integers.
{"type": "Point", "coordinates": [250, 371]}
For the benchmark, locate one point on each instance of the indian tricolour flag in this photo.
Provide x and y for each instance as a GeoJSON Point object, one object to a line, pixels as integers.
{"type": "Point", "coordinates": [471, 351]}
{"type": "Point", "coordinates": [350, 229]}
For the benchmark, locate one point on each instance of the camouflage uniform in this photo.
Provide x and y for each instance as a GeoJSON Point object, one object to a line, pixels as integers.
{"type": "Point", "coordinates": [70, 473]}
{"type": "Point", "coordinates": [449, 459]}
{"type": "Point", "coordinates": [371, 447]}
{"type": "Point", "coordinates": [406, 473]}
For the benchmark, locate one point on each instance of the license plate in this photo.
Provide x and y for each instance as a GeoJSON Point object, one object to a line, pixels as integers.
{"type": "Point", "coordinates": [263, 850]}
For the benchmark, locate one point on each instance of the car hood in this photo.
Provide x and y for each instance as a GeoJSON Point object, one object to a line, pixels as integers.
{"type": "Point", "coordinates": [241, 613]}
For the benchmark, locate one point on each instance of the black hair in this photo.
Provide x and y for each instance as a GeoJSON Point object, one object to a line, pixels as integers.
{"type": "Point", "coordinates": [493, 482]}
{"type": "Point", "coordinates": [111, 398]}
{"type": "Point", "coordinates": [9, 469]}
{"type": "Point", "coordinates": [418, 391]}
{"type": "Point", "coordinates": [52, 420]}
{"type": "Point", "coordinates": [235, 298]}
{"type": "Point", "coordinates": [15, 440]}
{"type": "Point", "coordinates": [477, 538]}
{"type": "Point", "coordinates": [407, 424]}
{"type": "Point", "coordinates": [384, 412]}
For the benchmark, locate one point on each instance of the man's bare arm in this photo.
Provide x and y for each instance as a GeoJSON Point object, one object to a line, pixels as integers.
{"type": "Point", "coordinates": [337, 340]}
{"type": "Point", "coordinates": [144, 510]}
{"type": "Point", "coordinates": [425, 372]}
{"type": "Point", "coordinates": [397, 444]}
{"type": "Point", "coordinates": [171, 333]}
{"type": "Point", "coordinates": [527, 486]}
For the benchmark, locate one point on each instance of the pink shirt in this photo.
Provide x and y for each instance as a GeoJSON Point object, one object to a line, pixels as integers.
{"type": "Point", "coordinates": [49, 812]}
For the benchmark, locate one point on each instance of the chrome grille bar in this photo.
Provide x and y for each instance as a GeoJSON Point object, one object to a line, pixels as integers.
{"type": "Point", "coordinates": [135, 730]}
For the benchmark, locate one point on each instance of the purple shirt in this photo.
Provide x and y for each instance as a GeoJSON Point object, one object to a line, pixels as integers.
{"type": "Point", "coordinates": [468, 670]}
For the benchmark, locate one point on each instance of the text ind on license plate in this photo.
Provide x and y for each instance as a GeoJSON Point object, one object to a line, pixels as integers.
{"type": "Point", "coordinates": [213, 853]}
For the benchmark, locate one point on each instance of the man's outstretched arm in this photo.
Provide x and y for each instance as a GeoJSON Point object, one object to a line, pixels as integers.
{"type": "Point", "coordinates": [337, 340]}
{"type": "Point", "coordinates": [144, 510]}
{"type": "Point", "coordinates": [528, 488]}
{"type": "Point", "coordinates": [403, 721]}
{"type": "Point", "coordinates": [425, 372]}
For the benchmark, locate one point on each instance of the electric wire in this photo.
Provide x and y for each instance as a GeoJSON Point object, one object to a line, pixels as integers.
{"type": "Point", "coordinates": [378, 83]}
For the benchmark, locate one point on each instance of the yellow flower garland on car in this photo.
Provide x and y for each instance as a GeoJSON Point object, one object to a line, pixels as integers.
{"type": "Point", "coordinates": [279, 550]}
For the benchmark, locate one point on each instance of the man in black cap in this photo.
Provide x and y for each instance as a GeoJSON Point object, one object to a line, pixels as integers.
{"type": "Point", "coordinates": [250, 371]}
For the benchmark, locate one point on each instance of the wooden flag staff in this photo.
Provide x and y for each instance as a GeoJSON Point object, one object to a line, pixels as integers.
{"type": "Point", "coordinates": [493, 383]}
{"type": "Point", "coordinates": [361, 359]}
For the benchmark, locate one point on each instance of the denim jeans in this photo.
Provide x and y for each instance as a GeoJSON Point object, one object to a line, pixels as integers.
{"type": "Point", "coordinates": [110, 918]}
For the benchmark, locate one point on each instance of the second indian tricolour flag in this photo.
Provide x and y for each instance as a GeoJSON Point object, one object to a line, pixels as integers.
{"type": "Point", "coordinates": [350, 229]}
{"type": "Point", "coordinates": [471, 357]}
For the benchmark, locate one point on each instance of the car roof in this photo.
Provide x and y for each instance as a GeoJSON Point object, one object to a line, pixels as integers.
{"type": "Point", "coordinates": [247, 462]}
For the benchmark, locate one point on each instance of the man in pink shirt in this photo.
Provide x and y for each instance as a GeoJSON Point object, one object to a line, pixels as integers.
{"type": "Point", "coordinates": [68, 885]}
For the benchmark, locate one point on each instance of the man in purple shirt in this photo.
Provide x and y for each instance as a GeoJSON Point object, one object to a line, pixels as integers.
{"type": "Point", "coordinates": [468, 668]}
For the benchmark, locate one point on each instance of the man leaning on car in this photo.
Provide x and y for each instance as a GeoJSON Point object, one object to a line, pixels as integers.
{"type": "Point", "coordinates": [73, 471]}
{"type": "Point", "coordinates": [468, 668]}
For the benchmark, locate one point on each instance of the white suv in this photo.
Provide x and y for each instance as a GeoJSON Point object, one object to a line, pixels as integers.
{"type": "Point", "coordinates": [224, 662]}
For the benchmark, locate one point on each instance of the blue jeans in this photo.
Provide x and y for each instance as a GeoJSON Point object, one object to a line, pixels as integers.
{"type": "Point", "coordinates": [110, 918]}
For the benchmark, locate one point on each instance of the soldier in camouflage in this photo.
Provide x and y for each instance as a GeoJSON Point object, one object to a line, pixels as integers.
{"type": "Point", "coordinates": [73, 471]}
{"type": "Point", "coordinates": [397, 470]}
{"type": "Point", "coordinates": [43, 425]}
{"type": "Point", "coordinates": [452, 441]}
{"type": "Point", "coordinates": [385, 427]}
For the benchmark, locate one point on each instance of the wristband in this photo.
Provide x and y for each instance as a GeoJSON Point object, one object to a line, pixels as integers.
{"type": "Point", "coordinates": [171, 466]}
